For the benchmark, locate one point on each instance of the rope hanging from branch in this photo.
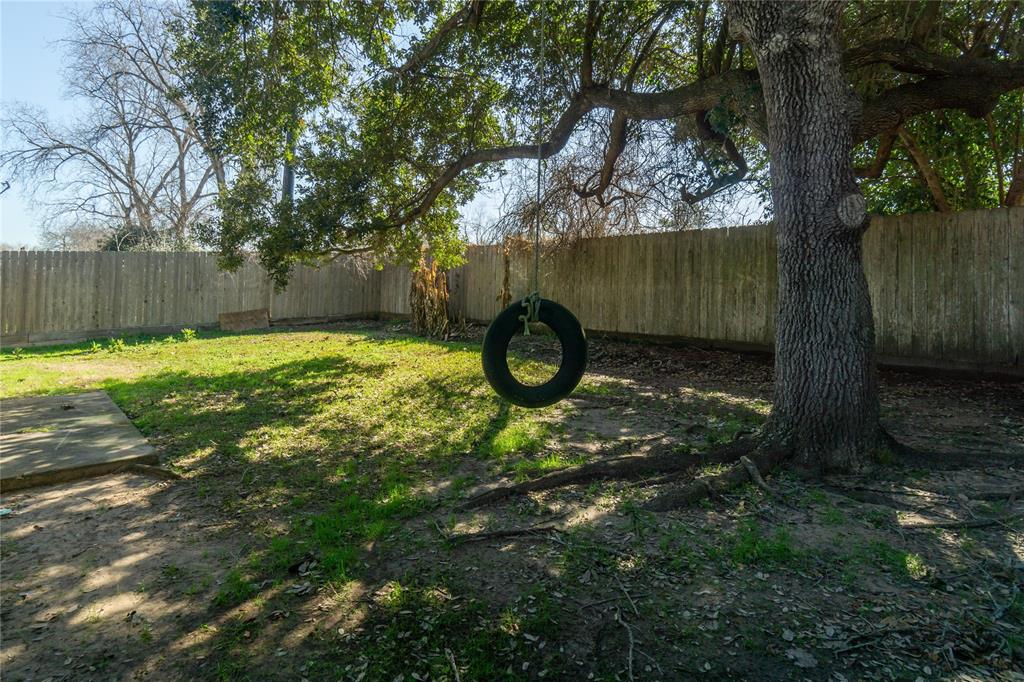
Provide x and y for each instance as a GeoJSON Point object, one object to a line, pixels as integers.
{"type": "Point", "coordinates": [513, 318]}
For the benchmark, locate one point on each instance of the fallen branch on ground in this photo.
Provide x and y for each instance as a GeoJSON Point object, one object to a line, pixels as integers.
{"type": "Point", "coordinates": [630, 467]}
{"type": "Point", "coordinates": [629, 631]}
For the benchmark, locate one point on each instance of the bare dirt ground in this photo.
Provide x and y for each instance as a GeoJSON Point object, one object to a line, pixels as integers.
{"type": "Point", "coordinates": [915, 571]}
{"type": "Point", "coordinates": [107, 575]}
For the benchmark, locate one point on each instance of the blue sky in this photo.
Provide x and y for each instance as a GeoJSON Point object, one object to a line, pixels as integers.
{"type": "Point", "coordinates": [30, 71]}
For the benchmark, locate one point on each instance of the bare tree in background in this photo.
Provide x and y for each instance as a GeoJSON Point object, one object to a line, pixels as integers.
{"type": "Point", "coordinates": [134, 166]}
{"type": "Point", "coordinates": [656, 185]}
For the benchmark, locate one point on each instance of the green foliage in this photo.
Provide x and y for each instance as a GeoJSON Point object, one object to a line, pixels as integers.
{"type": "Point", "coordinates": [967, 155]}
{"type": "Point", "coordinates": [528, 467]}
{"type": "Point", "coordinates": [400, 110]}
{"type": "Point", "coordinates": [882, 555]}
{"type": "Point", "coordinates": [235, 590]}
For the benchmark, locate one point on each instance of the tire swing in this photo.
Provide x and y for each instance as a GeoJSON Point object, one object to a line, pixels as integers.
{"type": "Point", "coordinates": [518, 316]}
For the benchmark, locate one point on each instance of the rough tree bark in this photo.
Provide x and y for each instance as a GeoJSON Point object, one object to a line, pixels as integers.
{"type": "Point", "coordinates": [826, 399]}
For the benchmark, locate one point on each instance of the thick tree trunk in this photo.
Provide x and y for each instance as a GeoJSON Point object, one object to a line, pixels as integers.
{"type": "Point", "coordinates": [826, 399]}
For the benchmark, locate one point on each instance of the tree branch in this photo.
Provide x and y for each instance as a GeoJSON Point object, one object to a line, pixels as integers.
{"type": "Point", "coordinates": [885, 145]}
{"type": "Point", "coordinates": [924, 167]}
{"type": "Point", "coordinates": [974, 95]}
{"type": "Point", "coordinates": [617, 131]}
{"type": "Point", "coordinates": [910, 58]}
{"type": "Point", "coordinates": [469, 14]}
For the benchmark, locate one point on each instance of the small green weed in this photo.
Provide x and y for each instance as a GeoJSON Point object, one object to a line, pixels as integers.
{"type": "Point", "coordinates": [748, 545]}
{"type": "Point", "coordinates": [880, 554]}
{"type": "Point", "coordinates": [235, 590]}
{"type": "Point", "coordinates": [832, 516]}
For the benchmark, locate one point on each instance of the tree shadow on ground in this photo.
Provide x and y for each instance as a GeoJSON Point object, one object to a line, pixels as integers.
{"type": "Point", "coordinates": [312, 537]}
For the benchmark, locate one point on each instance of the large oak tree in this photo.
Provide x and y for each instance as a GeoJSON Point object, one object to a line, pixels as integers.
{"type": "Point", "coordinates": [402, 109]}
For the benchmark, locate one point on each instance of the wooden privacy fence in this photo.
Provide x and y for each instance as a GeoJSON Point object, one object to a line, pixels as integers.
{"type": "Point", "coordinates": [948, 289]}
{"type": "Point", "coordinates": [55, 295]}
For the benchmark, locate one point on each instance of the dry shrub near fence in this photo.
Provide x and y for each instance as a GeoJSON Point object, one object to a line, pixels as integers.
{"type": "Point", "coordinates": [428, 300]}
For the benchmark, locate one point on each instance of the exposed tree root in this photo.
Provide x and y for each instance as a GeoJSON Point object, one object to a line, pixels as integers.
{"type": "Point", "coordinates": [749, 460]}
{"type": "Point", "coordinates": [895, 446]}
{"type": "Point", "coordinates": [710, 486]}
{"type": "Point", "coordinates": [630, 467]}
{"type": "Point", "coordinates": [756, 477]}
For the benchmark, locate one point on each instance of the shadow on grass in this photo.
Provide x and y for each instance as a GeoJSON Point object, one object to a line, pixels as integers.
{"type": "Point", "coordinates": [324, 474]}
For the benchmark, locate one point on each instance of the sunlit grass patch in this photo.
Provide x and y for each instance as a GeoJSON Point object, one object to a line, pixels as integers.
{"type": "Point", "coordinates": [517, 437]}
{"type": "Point", "coordinates": [598, 388]}
{"type": "Point", "coordinates": [525, 468]}
{"type": "Point", "coordinates": [881, 555]}
{"type": "Point", "coordinates": [347, 422]}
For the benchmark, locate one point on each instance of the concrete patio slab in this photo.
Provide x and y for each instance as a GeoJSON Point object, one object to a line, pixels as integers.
{"type": "Point", "coordinates": [57, 438]}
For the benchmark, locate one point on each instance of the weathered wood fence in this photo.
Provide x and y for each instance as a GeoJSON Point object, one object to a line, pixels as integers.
{"type": "Point", "coordinates": [948, 289]}
{"type": "Point", "coordinates": [56, 295]}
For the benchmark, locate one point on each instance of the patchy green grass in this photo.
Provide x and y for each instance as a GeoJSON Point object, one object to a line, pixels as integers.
{"type": "Point", "coordinates": [332, 461]}
{"type": "Point", "coordinates": [750, 545]}
{"type": "Point", "coordinates": [881, 555]}
{"type": "Point", "coordinates": [516, 438]}
{"type": "Point", "coordinates": [335, 431]}
{"type": "Point", "coordinates": [525, 468]}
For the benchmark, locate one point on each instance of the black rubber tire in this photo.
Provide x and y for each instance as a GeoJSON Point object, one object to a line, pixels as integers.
{"type": "Point", "coordinates": [574, 355]}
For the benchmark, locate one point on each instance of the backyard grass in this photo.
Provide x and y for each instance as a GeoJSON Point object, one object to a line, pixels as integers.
{"type": "Point", "coordinates": [339, 431]}
{"type": "Point", "coordinates": [332, 461]}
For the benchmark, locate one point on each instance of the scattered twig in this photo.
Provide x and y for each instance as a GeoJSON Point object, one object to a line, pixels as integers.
{"type": "Point", "coordinates": [870, 637]}
{"type": "Point", "coordinates": [626, 592]}
{"type": "Point", "coordinates": [451, 659]}
{"type": "Point", "coordinates": [605, 601]}
{"type": "Point", "coordinates": [445, 535]}
{"type": "Point", "coordinates": [632, 644]}
{"type": "Point", "coordinates": [651, 659]}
